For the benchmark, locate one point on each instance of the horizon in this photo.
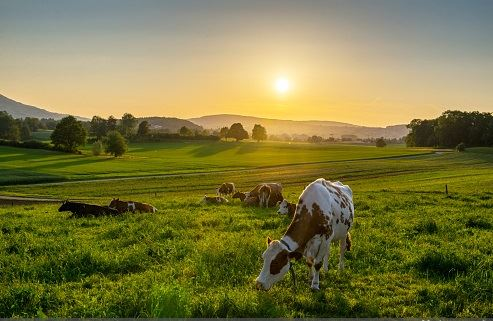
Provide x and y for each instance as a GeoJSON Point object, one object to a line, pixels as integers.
{"type": "Point", "coordinates": [377, 63]}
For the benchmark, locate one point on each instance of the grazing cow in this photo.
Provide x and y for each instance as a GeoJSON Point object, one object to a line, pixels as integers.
{"type": "Point", "coordinates": [286, 208]}
{"type": "Point", "coordinates": [226, 189]}
{"type": "Point", "coordinates": [214, 200]}
{"type": "Point", "coordinates": [82, 209]}
{"type": "Point", "coordinates": [265, 194]}
{"type": "Point", "coordinates": [131, 206]}
{"type": "Point", "coordinates": [324, 214]}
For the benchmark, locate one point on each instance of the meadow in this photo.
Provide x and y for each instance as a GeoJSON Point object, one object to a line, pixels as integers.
{"type": "Point", "coordinates": [417, 252]}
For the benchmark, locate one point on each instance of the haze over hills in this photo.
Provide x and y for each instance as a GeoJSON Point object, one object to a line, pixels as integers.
{"type": "Point", "coordinates": [20, 110]}
{"type": "Point", "coordinates": [325, 129]}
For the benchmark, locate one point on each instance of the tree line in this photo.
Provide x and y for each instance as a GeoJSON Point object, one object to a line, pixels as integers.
{"type": "Point", "coordinates": [452, 128]}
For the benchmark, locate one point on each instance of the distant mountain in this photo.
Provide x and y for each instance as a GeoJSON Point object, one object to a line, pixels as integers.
{"type": "Point", "coordinates": [20, 110]}
{"type": "Point", "coordinates": [169, 124]}
{"type": "Point", "coordinates": [325, 129]}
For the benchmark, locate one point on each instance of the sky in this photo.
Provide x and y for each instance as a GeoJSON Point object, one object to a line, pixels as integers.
{"type": "Point", "coordinates": [366, 62]}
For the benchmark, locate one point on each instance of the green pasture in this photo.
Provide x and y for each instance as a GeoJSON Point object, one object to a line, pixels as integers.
{"type": "Point", "coordinates": [33, 166]}
{"type": "Point", "coordinates": [417, 252]}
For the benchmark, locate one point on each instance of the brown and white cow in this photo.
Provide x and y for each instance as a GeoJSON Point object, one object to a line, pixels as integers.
{"type": "Point", "coordinates": [324, 214]}
{"type": "Point", "coordinates": [214, 200]}
{"type": "Point", "coordinates": [267, 194]}
{"type": "Point", "coordinates": [131, 206]}
{"type": "Point", "coordinates": [226, 189]}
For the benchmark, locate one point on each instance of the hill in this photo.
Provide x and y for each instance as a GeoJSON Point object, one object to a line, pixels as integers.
{"type": "Point", "coordinates": [20, 110]}
{"type": "Point", "coordinates": [169, 124]}
{"type": "Point", "coordinates": [293, 127]}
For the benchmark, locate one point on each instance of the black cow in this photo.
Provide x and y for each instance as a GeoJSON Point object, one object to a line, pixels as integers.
{"type": "Point", "coordinates": [82, 209]}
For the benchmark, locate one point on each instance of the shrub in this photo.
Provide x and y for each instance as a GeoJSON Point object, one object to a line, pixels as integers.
{"type": "Point", "coordinates": [380, 142]}
{"type": "Point", "coordinates": [461, 147]}
{"type": "Point", "coordinates": [115, 144]}
{"type": "Point", "coordinates": [97, 148]}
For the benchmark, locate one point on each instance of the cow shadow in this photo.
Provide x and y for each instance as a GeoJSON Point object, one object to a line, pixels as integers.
{"type": "Point", "coordinates": [213, 149]}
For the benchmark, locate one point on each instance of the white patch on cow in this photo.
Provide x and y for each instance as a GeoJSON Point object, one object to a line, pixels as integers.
{"type": "Point", "coordinates": [283, 207]}
{"type": "Point", "coordinates": [131, 206]}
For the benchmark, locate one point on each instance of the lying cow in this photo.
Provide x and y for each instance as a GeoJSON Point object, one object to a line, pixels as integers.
{"type": "Point", "coordinates": [286, 208]}
{"type": "Point", "coordinates": [82, 209]}
{"type": "Point", "coordinates": [324, 214]}
{"type": "Point", "coordinates": [214, 200]}
{"type": "Point", "coordinates": [131, 206]}
{"type": "Point", "coordinates": [226, 189]}
{"type": "Point", "coordinates": [240, 195]}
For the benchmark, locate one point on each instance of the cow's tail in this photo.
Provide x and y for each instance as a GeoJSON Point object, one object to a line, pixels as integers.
{"type": "Point", "coordinates": [348, 242]}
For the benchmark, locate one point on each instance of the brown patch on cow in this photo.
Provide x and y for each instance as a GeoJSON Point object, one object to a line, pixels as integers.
{"type": "Point", "coordinates": [279, 262]}
{"type": "Point", "coordinates": [304, 226]}
{"type": "Point", "coordinates": [310, 260]}
{"type": "Point", "coordinates": [239, 195]}
{"type": "Point", "coordinates": [348, 242]}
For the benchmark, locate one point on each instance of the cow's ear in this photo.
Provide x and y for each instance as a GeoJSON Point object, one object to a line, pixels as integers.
{"type": "Point", "coordinates": [269, 240]}
{"type": "Point", "coordinates": [295, 255]}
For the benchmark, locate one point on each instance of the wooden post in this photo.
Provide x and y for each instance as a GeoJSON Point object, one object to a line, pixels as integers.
{"type": "Point", "coordinates": [446, 189]}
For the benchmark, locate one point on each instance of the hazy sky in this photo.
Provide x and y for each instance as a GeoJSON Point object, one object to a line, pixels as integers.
{"type": "Point", "coordinates": [370, 62]}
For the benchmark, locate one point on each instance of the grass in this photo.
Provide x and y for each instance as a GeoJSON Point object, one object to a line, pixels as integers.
{"type": "Point", "coordinates": [23, 166]}
{"type": "Point", "coordinates": [416, 251]}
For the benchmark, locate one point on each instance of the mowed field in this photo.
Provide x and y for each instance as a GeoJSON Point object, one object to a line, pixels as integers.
{"type": "Point", "coordinates": [416, 251]}
{"type": "Point", "coordinates": [19, 166]}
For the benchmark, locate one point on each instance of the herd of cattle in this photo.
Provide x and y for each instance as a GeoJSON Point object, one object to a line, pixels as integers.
{"type": "Point", "coordinates": [323, 214]}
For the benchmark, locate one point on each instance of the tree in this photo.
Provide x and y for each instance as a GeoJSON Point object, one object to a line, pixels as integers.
{"type": "Point", "coordinates": [144, 128]}
{"type": "Point", "coordinates": [380, 142]}
{"type": "Point", "coordinates": [185, 131]}
{"type": "Point", "coordinates": [237, 132]}
{"type": "Point", "coordinates": [315, 139]}
{"type": "Point", "coordinates": [223, 133]}
{"type": "Point", "coordinates": [25, 132]}
{"type": "Point", "coordinates": [69, 134]}
{"type": "Point", "coordinates": [33, 123]}
{"type": "Point", "coordinates": [115, 144]}
{"type": "Point", "coordinates": [98, 127]}
{"type": "Point", "coordinates": [111, 123]}
{"type": "Point", "coordinates": [9, 129]}
{"type": "Point", "coordinates": [259, 133]}
{"type": "Point", "coordinates": [128, 124]}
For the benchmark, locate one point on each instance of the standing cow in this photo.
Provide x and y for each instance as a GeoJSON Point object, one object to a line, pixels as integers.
{"type": "Point", "coordinates": [324, 214]}
{"type": "Point", "coordinates": [226, 189]}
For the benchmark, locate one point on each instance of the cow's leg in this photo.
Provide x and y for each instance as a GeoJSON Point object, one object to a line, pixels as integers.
{"type": "Point", "coordinates": [326, 262]}
{"type": "Point", "coordinates": [341, 254]}
{"type": "Point", "coordinates": [323, 251]}
{"type": "Point", "coordinates": [316, 276]}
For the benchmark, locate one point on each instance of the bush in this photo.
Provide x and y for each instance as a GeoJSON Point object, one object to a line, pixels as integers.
{"type": "Point", "coordinates": [115, 144]}
{"type": "Point", "coordinates": [97, 148]}
{"type": "Point", "coordinates": [380, 142]}
{"type": "Point", "coordinates": [461, 147]}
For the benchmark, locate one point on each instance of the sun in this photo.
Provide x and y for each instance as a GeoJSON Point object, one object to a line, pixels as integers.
{"type": "Point", "coordinates": [282, 85]}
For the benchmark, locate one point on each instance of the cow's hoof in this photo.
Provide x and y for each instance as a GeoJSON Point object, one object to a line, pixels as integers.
{"type": "Point", "coordinates": [315, 288]}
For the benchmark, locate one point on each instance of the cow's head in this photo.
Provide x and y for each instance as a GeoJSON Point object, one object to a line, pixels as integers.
{"type": "Point", "coordinates": [283, 207]}
{"type": "Point", "coordinates": [65, 206]}
{"type": "Point", "coordinates": [276, 264]}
